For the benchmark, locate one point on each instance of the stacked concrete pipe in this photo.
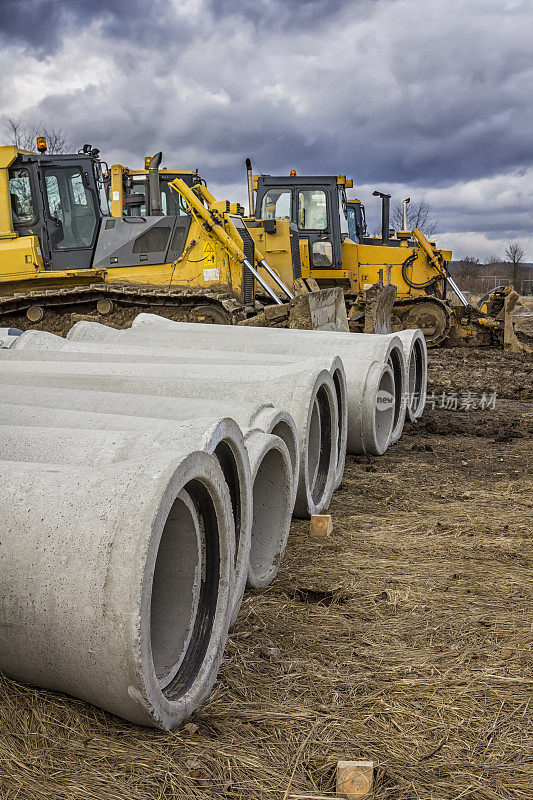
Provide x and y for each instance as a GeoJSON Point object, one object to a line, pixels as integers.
{"type": "Point", "coordinates": [373, 400]}
{"type": "Point", "coordinates": [308, 393]}
{"type": "Point", "coordinates": [135, 352]}
{"type": "Point", "coordinates": [355, 346]}
{"type": "Point", "coordinates": [249, 417]}
{"type": "Point", "coordinates": [116, 581]}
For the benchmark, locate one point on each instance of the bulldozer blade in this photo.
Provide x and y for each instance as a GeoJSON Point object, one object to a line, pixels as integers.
{"type": "Point", "coordinates": [510, 340]}
{"type": "Point", "coordinates": [379, 301]}
{"type": "Point", "coordinates": [322, 310]}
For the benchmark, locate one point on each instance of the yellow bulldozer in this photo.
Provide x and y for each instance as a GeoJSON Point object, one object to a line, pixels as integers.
{"type": "Point", "coordinates": [336, 250]}
{"type": "Point", "coordinates": [167, 247]}
{"type": "Point", "coordinates": [75, 235]}
{"type": "Point", "coordinates": [313, 236]}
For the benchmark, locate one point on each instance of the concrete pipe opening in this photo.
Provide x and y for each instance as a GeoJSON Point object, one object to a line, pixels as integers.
{"type": "Point", "coordinates": [272, 493]}
{"type": "Point", "coordinates": [417, 373]}
{"type": "Point", "coordinates": [175, 589]}
{"type": "Point", "coordinates": [225, 442]}
{"type": "Point", "coordinates": [319, 445]}
{"type": "Point", "coordinates": [339, 383]}
{"type": "Point", "coordinates": [185, 590]}
{"type": "Point", "coordinates": [228, 464]}
{"type": "Point", "coordinates": [385, 410]}
{"type": "Point", "coordinates": [396, 364]}
{"type": "Point", "coordinates": [287, 434]}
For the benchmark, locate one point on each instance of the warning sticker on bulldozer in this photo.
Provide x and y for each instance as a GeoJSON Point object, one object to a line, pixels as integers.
{"type": "Point", "coordinates": [209, 255]}
{"type": "Point", "coordinates": [211, 274]}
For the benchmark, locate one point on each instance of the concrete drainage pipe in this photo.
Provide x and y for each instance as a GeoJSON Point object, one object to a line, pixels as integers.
{"type": "Point", "coordinates": [129, 566]}
{"type": "Point", "coordinates": [414, 345]}
{"type": "Point", "coordinates": [295, 390]}
{"type": "Point", "coordinates": [136, 352]}
{"type": "Point", "coordinates": [353, 348]}
{"type": "Point", "coordinates": [174, 409]}
{"type": "Point", "coordinates": [91, 439]}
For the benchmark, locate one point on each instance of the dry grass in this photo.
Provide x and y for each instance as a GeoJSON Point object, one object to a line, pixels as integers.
{"type": "Point", "coordinates": [405, 637]}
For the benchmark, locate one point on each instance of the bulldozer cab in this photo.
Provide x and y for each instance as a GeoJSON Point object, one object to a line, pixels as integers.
{"type": "Point", "coordinates": [58, 198]}
{"type": "Point", "coordinates": [316, 204]}
{"type": "Point", "coordinates": [137, 183]}
{"type": "Point", "coordinates": [356, 220]}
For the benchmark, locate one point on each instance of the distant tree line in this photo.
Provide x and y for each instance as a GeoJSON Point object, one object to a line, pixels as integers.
{"type": "Point", "coordinates": [479, 276]}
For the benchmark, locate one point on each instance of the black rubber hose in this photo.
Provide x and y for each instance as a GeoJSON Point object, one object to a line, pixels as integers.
{"type": "Point", "coordinates": [408, 263]}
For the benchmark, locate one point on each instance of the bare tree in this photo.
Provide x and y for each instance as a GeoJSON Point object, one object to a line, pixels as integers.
{"type": "Point", "coordinates": [419, 215]}
{"type": "Point", "coordinates": [25, 136]}
{"type": "Point", "coordinates": [492, 261]}
{"type": "Point", "coordinates": [515, 258]}
{"type": "Point", "coordinates": [468, 268]}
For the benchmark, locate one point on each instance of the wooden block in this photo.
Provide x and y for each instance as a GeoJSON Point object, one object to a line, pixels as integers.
{"type": "Point", "coordinates": [355, 778]}
{"type": "Point", "coordinates": [321, 525]}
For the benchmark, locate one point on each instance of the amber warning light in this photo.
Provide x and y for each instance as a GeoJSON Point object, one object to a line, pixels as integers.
{"type": "Point", "coordinates": [293, 173]}
{"type": "Point", "coordinates": [147, 160]}
{"type": "Point", "coordinates": [42, 145]}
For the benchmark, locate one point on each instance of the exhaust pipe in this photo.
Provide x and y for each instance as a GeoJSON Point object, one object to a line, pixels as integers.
{"type": "Point", "coordinates": [249, 180]}
{"type": "Point", "coordinates": [154, 188]}
{"type": "Point", "coordinates": [385, 215]}
{"type": "Point", "coordinates": [404, 215]}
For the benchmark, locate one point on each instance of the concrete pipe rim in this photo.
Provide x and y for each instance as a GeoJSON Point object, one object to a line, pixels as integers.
{"type": "Point", "coordinates": [225, 442]}
{"type": "Point", "coordinates": [398, 364]}
{"type": "Point", "coordinates": [418, 393]}
{"type": "Point", "coordinates": [320, 456]}
{"type": "Point", "coordinates": [281, 423]}
{"type": "Point", "coordinates": [378, 407]}
{"type": "Point", "coordinates": [341, 393]}
{"type": "Point", "coordinates": [272, 494]}
{"type": "Point", "coordinates": [317, 448]}
{"type": "Point", "coordinates": [197, 482]}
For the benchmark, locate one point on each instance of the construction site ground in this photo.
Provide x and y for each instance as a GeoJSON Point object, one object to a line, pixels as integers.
{"type": "Point", "coordinates": [404, 637]}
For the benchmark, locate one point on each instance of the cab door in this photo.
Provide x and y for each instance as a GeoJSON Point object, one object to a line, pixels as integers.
{"type": "Point", "coordinates": [317, 215]}
{"type": "Point", "coordinates": [72, 218]}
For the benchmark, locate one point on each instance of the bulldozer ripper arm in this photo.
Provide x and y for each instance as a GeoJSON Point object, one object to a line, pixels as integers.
{"type": "Point", "coordinates": [203, 191]}
{"type": "Point", "coordinates": [178, 185]}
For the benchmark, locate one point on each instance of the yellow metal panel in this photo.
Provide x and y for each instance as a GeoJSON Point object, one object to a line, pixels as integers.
{"type": "Point", "coordinates": [331, 274]}
{"type": "Point", "coordinates": [117, 190]}
{"type": "Point", "coordinates": [20, 259]}
{"type": "Point", "coordinates": [8, 154]}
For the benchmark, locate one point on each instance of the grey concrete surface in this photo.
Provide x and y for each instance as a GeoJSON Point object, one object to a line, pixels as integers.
{"type": "Point", "coordinates": [90, 439]}
{"type": "Point", "coordinates": [116, 581]}
{"type": "Point", "coordinates": [355, 349]}
{"type": "Point", "coordinates": [310, 399]}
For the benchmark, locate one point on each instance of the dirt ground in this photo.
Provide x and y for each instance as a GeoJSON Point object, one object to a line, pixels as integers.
{"type": "Point", "coordinates": [405, 637]}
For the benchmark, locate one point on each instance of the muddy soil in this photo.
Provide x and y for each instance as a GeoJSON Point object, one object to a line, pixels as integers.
{"type": "Point", "coordinates": [405, 637]}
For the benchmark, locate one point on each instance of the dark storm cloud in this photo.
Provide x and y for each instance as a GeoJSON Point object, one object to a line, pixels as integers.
{"type": "Point", "coordinates": [408, 93]}
{"type": "Point", "coordinates": [281, 13]}
{"type": "Point", "coordinates": [43, 24]}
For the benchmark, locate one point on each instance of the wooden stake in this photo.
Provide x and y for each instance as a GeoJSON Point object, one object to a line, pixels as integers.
{"type": "Point", "coordinates": [355, 778]}
{"type": "Point", "coordinates": [321, 525]}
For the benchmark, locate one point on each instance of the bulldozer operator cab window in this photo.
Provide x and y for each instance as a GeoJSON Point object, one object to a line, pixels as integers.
{"type": "Point", "coordinates": [312, 210]}
{"type": "Point", "coordinates": [343, 213]}
{"type": "Point", "coordinates": [169, 206]}
{"type": "Point", "coordinates": [22, 207]}
{"type": "Point", "coordinates": [277, 204]}
{"type": "Point", "coordinates": [71, 206]}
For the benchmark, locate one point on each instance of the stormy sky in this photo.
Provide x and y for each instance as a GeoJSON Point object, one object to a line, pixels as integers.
{"type": "Point", "coordinates": [430, 99]}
